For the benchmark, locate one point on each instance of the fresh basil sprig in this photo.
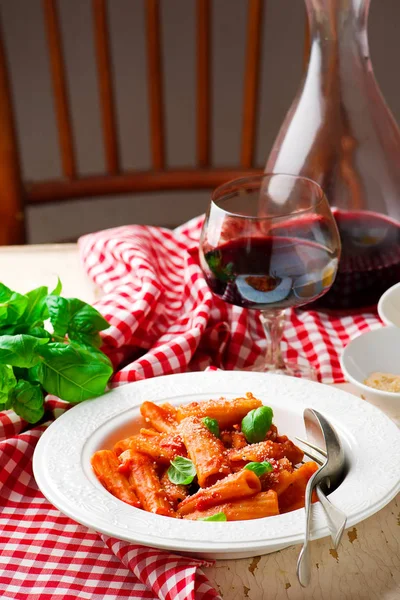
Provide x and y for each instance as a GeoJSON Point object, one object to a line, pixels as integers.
{"type": "Point", "coordinates": [34, 361]}
{"type": "Point", "coordinates": [182, 471]}
{"type": "Point", "coordinates": [217, 517]}
{"type": "Point", "coordinates": [259, 468]}
{"type": "Point", "coordinates": [256, 424]}
{"type": "Point", "coordinates": [212, 425]}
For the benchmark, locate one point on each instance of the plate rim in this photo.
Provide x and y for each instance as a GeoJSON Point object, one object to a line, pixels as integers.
{"type": "Point", "coordinates": [197, 545]}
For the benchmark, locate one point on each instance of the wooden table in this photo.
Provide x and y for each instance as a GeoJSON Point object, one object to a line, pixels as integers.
{"type": "Point", "coordinates": [367, 563]}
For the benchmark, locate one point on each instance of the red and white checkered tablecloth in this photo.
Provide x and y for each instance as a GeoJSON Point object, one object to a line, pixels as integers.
{"type": "Point", "coordinates": [164, 320]}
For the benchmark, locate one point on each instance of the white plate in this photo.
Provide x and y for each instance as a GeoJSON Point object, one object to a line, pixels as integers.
{"type": "Point", "coordinates": [61, 462]}
{"type": "Point", "coordinates": [389, 306]}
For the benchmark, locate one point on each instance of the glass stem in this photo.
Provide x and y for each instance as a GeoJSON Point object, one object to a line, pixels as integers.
{"type": "Point", "coordinates": [273, 322]}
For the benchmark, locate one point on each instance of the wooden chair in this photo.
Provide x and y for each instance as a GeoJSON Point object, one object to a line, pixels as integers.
{"type": "Point", "coordinates": [15, 194]}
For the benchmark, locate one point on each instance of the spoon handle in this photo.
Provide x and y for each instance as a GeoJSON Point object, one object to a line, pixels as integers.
{"type": "Point", "coordinates": [304, 563]}
{"type": "Point", "coordinates": [335, 517]}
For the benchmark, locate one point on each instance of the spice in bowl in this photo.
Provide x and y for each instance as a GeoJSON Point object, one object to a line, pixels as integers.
{"type": "Point", "coordinates": [386, 382]}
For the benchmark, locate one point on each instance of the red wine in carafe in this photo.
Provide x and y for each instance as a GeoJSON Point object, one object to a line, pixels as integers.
{"type": "Point", "coordinates": [370, 259]}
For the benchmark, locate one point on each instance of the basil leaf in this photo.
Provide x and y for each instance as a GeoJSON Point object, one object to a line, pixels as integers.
{"type": "Point", "coordinates": [7, 383]}
{"type": "Point", "coordinates": [79, 320]}
{"type": "Point", "coordinates": [5, 293]}
{"type": "Point", "coordinates": [3, 311]}
{"type": "Point", "coordinates": [71, 372]}
{"type": "Point", "coordinates": [20, 350]}
{"type": "Point", "coordinates": [59, 314]}
{"type": "Point", "coordinates": [36, 310]}
{"type": "Point", "coordinates": [85, 323]}
{"type": "Point", "coordinates": [27, 401]}
{"type": "Point", "coordinates": [259, 468]}
{"type": "Point", "coordinates": [182, 471]}
{"type": "Point", "coordinates": [212, 425]}
{"type": "Point", "coordinates": [24, 328]}
{"type": "Point", "coordinates": [256, 424]}
{"type": "Point", "coordinates": [16, 307]}
{"type": "Point", "coordinates": [27, 374]}
{"type": "Point", "coordinates": [217, 517]}
{"type": "Point", "coordinates": [58, 289]}
{"type": "Point", "coordinates": [95, 352]}
{"type": "Point", "coordinates": [14, 329]}
{"type": "Point", "coordinates": [12, 304]}
{"type": "Point", "coordinates": [39, 332]}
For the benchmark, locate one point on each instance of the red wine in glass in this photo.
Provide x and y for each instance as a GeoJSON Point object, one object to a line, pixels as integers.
{"type": "Point", "coordinates": [268, 243]}
{"type": "Point", "coordinates": [269, 272]}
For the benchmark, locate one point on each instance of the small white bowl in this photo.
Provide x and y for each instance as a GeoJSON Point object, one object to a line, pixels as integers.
{"type": "Point", "coordinates": [376, 350]}
{"type": "Point", "coordinates": [389, 306]}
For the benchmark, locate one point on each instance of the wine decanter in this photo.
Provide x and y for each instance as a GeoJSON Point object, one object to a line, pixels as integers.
{"type": "Point", "coordinates": [340, 133]}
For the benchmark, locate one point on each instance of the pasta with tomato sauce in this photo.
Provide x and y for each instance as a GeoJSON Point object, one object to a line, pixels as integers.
{"type": "Point", "coordinates": [218, 460]}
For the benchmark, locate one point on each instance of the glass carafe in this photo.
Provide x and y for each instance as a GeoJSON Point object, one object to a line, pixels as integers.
{"type": "Point", "coordinates": [340, 133]}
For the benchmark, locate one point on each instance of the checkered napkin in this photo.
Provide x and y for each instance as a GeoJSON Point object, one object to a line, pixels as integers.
{"type": "Point", "coordinates": [164, 319]}
{"type": "Point", "coordinates": [47, 556]}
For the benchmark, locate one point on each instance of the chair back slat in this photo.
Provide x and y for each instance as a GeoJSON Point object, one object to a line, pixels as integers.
{"type": "Point", "coordinates": [307, 45]}
{"type": "Point", "coordinates": [203, 121]}
{"type": "Point", "coordinates": [104, 76]}
{"type": "Point", "coordinates": [155, 85]}
{"type": "Point", "coordinates": [251, 81]}
{"type": "Point", "coordinates": [12, 229]}
{"type": "Point", "coordinates": [58, 79]}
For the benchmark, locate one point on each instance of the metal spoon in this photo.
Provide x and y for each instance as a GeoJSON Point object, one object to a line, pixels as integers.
{"type": "Point", "coordinates": [332, 473]}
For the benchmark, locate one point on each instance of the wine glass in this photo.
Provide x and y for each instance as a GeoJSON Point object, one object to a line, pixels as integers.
{"type": "Point", "coordinates": [268, 243]}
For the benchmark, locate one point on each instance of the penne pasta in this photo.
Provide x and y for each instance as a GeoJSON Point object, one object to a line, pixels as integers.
{"type": "Point", "coordinates": [162, 447]}
{"type": "Point", "coordinates": [171, 410]}
{"type": "Point", "coordinates": [283, 480]}
{"type": "Point", "coordinates": [226, 438]}
{"type": "Point", "coordinates": [293, 496]}
{"type": "Point", "coordinates": [263, 504]}
{"type": "Point", "coordinates": [292, 452]}
{"type": "Point", "coordinates": [226, 412]}
{"type": "Point", "coordinates": [148, 432]}
{"type": "Point", "coordinates": [144, 480]}
{"type": "Point", "coordinates": [284, 463]}
{"type": "Point", "coordinates": [277, 479]}
{"type": "Point", "coordinates": [238, 440]}
{"type": "Point", "coordinates": [264, 451]}
{"type": "Point", "coordinates": [272, 433]}
{"type": "Point", "coordinates": [174, 492]}
{"type": "Point", "coordinates": [238, 485]}
{"type": "Point", "coordinates": [205, 451]}
{"type": "Point", "coordinates": [122, 445]}
{"type": "Point", "coordinates": [105, 465]}
{"type": "Point", "coordinates": [160, 418]}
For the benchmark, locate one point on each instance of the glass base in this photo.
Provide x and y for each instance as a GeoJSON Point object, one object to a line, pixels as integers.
{"type": "Point", "coordinates": [290, 368]}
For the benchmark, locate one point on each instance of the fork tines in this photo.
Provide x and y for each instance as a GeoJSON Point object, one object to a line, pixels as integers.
{"type": "Point", "coordinates": [313, 455]}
